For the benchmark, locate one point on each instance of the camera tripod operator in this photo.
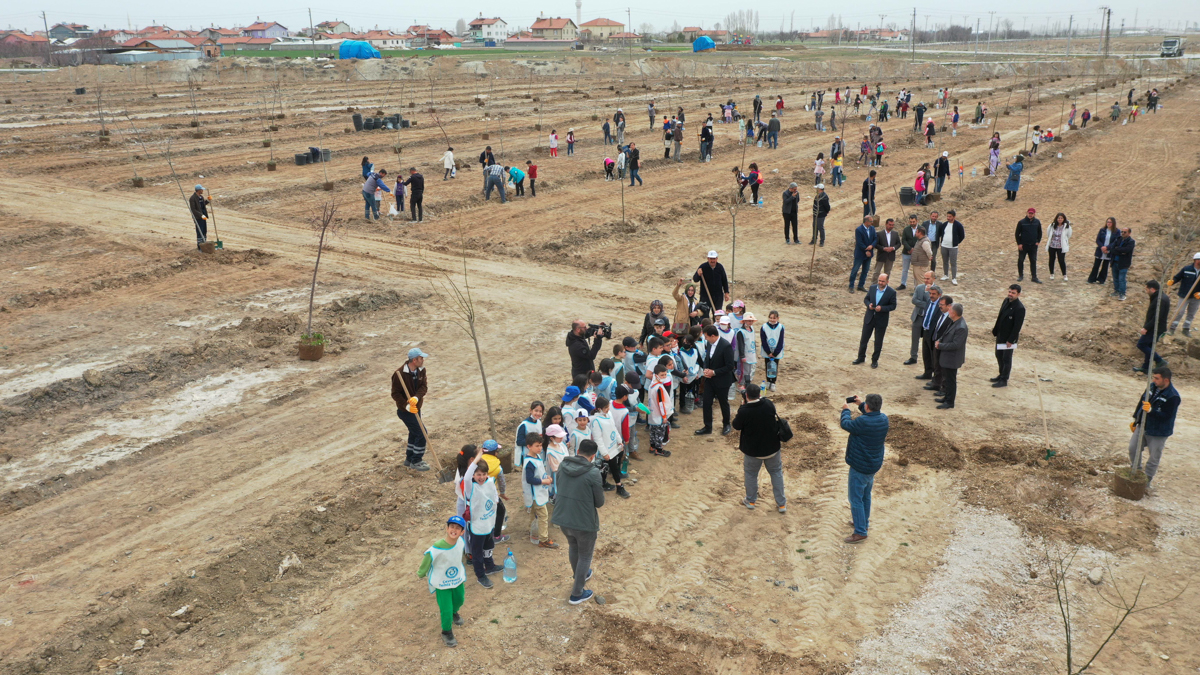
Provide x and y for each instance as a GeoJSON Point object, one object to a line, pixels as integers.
{"type": "Point", "coordinates": [583, 357]}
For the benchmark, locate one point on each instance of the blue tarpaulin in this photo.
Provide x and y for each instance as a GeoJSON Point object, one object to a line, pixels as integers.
{"type": "Point", "coordinates": [702, 43]}
{"type": "Point", "coordinates": [356, 49]}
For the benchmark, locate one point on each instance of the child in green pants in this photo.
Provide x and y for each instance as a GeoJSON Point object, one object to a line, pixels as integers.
{"type": "Point", "coordinates": [443, 565]}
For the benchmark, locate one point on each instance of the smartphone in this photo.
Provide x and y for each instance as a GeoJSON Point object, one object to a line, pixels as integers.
{"type": "Point", "coordinates": [850, 399]}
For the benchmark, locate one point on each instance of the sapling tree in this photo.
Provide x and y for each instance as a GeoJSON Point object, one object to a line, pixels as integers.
{"type": "Point", "coordinates": [325, 226]}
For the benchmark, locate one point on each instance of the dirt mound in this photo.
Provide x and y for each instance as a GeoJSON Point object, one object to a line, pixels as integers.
{"type": "Point", "coordinates": [915, 442]}
{"type": "Point", "coordinates": [370, 302]}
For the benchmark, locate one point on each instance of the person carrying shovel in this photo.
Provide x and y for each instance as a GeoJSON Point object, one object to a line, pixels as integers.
{"type": "Point", "coordinates": [199, 206]}
{"type": "Point", "coordinates": [410, 383]}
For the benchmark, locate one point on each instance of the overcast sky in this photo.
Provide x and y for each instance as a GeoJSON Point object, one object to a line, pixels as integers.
{"type": "Point", "coordinates": [444, 14]}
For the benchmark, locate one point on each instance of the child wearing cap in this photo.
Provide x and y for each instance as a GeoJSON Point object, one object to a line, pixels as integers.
{"type": "Point", "coordinates": [443, 566]}
{"type": "Point", "coordinates": [482, 499]}
{"type": "Point", "coordinates": [556, 452]}
{"type": "Point", "coordinates": [467, 458]}
{"type": "Point", "coordinates": [570, 402]}
{"type": "Point", "coordinates": [725, 329]}
{"type": "Point", "coordinates": [771, 335]}
{"type": "Point", "coordinates": [535, 475]}
{"type": "Point", "coordinates": [661, 408]}
{"type": "Point", "coordinates": [580, 432]}
{"type": "Point", "coordinates": [735, 318]}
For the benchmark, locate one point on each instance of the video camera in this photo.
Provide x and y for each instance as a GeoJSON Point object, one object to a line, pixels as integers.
{"type": "Point", "coordinates": [602, 328]}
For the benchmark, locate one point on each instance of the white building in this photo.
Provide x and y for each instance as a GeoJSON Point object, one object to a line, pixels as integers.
{"type": "Point", "coordinates": [488, 29]}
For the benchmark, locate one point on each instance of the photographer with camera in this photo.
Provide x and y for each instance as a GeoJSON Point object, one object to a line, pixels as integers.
{"type": "Point", "coordinates": [864, 454]}
{"type": "Point", "coordinates": [583, 357]}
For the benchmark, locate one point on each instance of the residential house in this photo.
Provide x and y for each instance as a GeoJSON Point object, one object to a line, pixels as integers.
{"type": "Point", "coordinates": [243, 42]}
{"type": "Point", "coordinates": [154, 30]}
{"type": "Point", "coordinates": [70, 30]}
{"type": "Point", "coordinates": [431, 37]}
{"type": "Point", "coordinates": [385, 39]}
{"type": "Point", "coordinates": [17, 38]}
{"type": "Point", "coordinates": [218, 33]}
{"type": "Point", "coordinates": [600, 29]}
{"type": "Point", "coordinates": [718, 36]}
{"type": "Point", "coordinates": [556, 28]}
{"type": "Point", "coordinates": [416, 30]}
{"type": "Point", "coordinates": [265, 29]}
{"type": "Point", "coordinates": [334, 27]}
{"type": "Point", "coordinates": [482, 29]}
{"type": "Point", "coordinates": [162, 45]}
{"type": "Point", "coordinates": [690, 33]}
{"type": "Point", "coordinates": [115, 37]}
{"type": "Point", "coordinates": [625, 38]}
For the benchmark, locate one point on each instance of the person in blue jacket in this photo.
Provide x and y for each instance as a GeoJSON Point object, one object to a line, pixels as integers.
{"type": "Point", "coordinates": [1014, 178]}
{"type": "Point", "coordinates": [864, 454]}
{"type": "Point", "coordinates": [864, 246]}
{"type": "Point", "coordinates": [1122, 258]}
{"type": "Point", "coordinates": [1156, 409]}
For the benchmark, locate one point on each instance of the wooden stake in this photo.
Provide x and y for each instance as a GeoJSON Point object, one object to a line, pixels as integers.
{"type": "Point", "coordinates": [420, 421]}
{"type": "Point", "coordinates": [1045, 429]}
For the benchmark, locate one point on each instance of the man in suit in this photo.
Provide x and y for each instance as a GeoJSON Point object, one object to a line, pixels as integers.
{"type": "Point", "coordinates": [925, 295]}
{"type": "Point", "coordinates": [924, 327]}
{"type": "Point", "coordinates": [1007, 331]}
{"type": "Point", "coordinates": [908, 240]}
{"type": "Point", "coordinates": [864, 247]}
{"type": "Point", "coordinates": [868, 194]}
{"type": "Point", "coordinates": [880, 302]}
{"type": "Point", "coordinates": [717, 357]}
{"type": "Point", "coordinates": [886, 243]}
{"type": "Point", "coordinates": [933, 228]}
{"type": "Point", "coordinates": [953, 348]}
{"type": "Point", "coordinates": [937, 328]}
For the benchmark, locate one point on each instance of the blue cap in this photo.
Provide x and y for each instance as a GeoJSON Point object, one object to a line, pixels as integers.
{"type": "Point", "coordinates": [199, 187]}
{"type": "Point", "coordinates": [572, 392]}
{"type": "Point", "coordinates": [457, 520]}
{"type": "Point", "coordinates": [586, 404]}
{"type": "Point", "coordinates": [490, 446]}
{"type": "Point", "coordinates": [415, 352]}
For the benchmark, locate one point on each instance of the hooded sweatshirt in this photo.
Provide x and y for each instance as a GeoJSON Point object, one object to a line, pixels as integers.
{"type": "Point", "coordinates": [579, 495]}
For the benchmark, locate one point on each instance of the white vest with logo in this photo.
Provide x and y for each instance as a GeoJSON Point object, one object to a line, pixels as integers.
{"type": "Point", "coordinates": [447, 570]}
{"type": "Point", "coordinates": [483, 506]}
{"type": "Point", "coordinates": [605, 433]}
{"type": "Point", "coordinates": [750, 343]}
{"type": "Point", "coordinates": [773, 335]}
{"type": "Point", "coordinates": [691, 364]}
{"type": "Point", "coordinates": [541, 493]}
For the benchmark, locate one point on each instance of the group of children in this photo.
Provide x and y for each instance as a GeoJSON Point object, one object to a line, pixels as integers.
{"type": "Point", "coordinates": [645, 382]}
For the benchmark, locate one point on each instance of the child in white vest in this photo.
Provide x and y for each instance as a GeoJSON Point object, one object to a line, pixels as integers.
{"type": "Point", "coordinates": [535, 475]}
{"type": "Point", "coordinates": [771, 335]}
{"type": "Point", "coordinates": [530, 425]}
{"type": "Point", "coordinates": [482, 499]}
{"type": "Point", "coordinates": [556, 452]}
{"type": "Point", "coordinates": [443, 566]}
{"type": "Point", "coordinates": [614, 454]}
{"type": "Point", "coordinates": [747, 351]}
{"type": "Point", "coordinates": [661, 408]}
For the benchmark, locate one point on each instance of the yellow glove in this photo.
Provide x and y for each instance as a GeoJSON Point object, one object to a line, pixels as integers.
{"type": "Point", "coordinates": [1196, 295]}
{"type": "Point", "coordinates": [412, 405]}
{"type": "Point", "coordinates": [1146, 406]}
{"type": "Point", "coordinates": [1132, 427]}
{"type": "Point", "coordinates": [1170, 282]}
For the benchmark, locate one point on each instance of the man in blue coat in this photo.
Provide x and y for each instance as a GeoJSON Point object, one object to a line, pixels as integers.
{"type": "Point", "coordinates": [880, 302]}
{"type": "Point", "coordinates": [864, 454]}
{"type": "Point", "coordinates": [1156, 409]}
{"type": "Point", "coordinates": [864, 246]}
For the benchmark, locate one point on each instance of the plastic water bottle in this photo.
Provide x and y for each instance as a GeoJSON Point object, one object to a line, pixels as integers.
{"type": "Point", "coordinates": [510, 568]}
{"type": "Point", "coordinates": [974, 171]}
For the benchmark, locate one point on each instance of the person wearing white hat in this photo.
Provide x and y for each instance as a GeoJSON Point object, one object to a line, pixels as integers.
{"type": "Point", "coordinates": [725, 329]}
{"type": "Point", "coordinates": [941, 171]}
{"type": "Point", "coordinates": [1189, 294]}
{"type": "Point", "coordinates": [712, 279]}
{"type": "Point", "coordinates": [747, 351]}
{"type": "Point", "coordinates": [410, 384]}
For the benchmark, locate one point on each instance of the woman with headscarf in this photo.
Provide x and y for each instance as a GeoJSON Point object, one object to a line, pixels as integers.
{"type": "Point", "coordinates": [1014, 178]}
{"type": "Point", "coordinates": [994, 153]}
{"type": "Point", "coordinates": [685, 307]}
{"type": "Point", "coordinates": [1106, 238]}
{"type": "Point", "coordinates": [656, 312]}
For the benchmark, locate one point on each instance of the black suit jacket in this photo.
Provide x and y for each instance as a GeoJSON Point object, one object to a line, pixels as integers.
{"type": "Point", "coordinates": [887, 302]}
{"type": "Point", "coordinates": [940, 332]}
{"type": "Point", "coordinates": [1009, 322]}
{"type": "Point", "coordinates": [722, 362]}
{"type": "Point", "coordinates": [931, 333]}
{"type": "Point", "coordinates": [881, 240]}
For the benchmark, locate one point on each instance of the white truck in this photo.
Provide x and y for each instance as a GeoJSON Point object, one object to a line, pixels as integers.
{"type": "Point", "coordinates": [1172, 46]}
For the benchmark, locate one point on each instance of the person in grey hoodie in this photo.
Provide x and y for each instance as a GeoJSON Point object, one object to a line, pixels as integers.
{"type": "Point", "coordinates": [580, 494]}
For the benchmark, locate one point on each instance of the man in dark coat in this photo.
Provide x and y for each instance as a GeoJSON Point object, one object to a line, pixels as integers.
{"type": "Point", "coordinates": [759, 444]}
{"type": "Point", "coordinates": [864, 455]}
{"type": "Point", "coordinates": [410, 381]}
{"type": "Point", "coordinates": [880, 302]}
{"type": "Point", "coordinates": [868, 194]}
{"type": "Point", "coordinates": [579, 496]}
{"type": "Point", "coordinates": [1189, 294]}
{"type": "Point", "coordinates": [634, 164]}
{"type": "Point", "coordinates": [1155, 326]}
{"type": "Point", "coordinates": [711, 277]}
{"type": "Point", "coordinates": [791, 213]}
{"type": "Point", "coordinates": [887, 241]}
{"type": "Point", "coordinates": [1156, 409]}
{"type": "Point", "coordinates": [1122, 258]}
{"type": "Point", "coordinates": [864, 246]}
{"type": "Point", "coordinates": [583, 358]}
{"type": "Point", "coordinates": [953, 347]}
{"type": "Point", "coordinates": [941, 171]}
{"type": "Point", "coordinates": [416, 186]}
{"type": "Point", "coordinates": [820, 210]}
{"type": "Point", "coordinates": [1029, 235]}
{"type": "Point", "coordinates": [199, 207]}
{"type": "Point", "coordinates": [938, 325]}
{"type": "Point", "coordinates": [716, 356]}
{"type": "Point", "coordinates": [1007, 331]}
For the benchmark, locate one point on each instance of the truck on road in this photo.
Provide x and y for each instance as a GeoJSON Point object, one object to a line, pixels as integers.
{"type": "Point", "coordinates": [1172, 46]}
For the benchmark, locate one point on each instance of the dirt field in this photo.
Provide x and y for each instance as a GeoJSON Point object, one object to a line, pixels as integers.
{"type": "Point", "coordinates": [163, 450]}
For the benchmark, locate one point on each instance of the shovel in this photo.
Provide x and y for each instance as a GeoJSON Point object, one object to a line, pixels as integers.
{"type": "Point", "coordinates": [213, 212]}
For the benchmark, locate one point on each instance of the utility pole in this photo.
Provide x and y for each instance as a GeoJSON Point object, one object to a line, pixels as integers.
{"type": "Point", "coordinates": [912, 37]}
{"type": "Point", "coordinates": [1100, 46]}
{"type": "Point", "coordinates": [312, 34]}
{"type": "Point", "coordinates": [881, 18]}
{"type": "Point", "coordinates": [1107, 30]}
{"type": "Point", "coordinates": [49, 54]}
{"type": "Point", "coordinates": [991, 15]}
{"type": "Point", "coordinates": [1070, 25]}
{"type": "Point", "coordinates": [977, 37]}
{"type": "Point", "coordinates": [629, 22]}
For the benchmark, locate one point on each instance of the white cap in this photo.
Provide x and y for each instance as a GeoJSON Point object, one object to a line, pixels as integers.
{"type": "Point", "coordinates": [945, 153]}
{"type": "Point", "coordinates": [581, 413]}
{"type": "Point", "coordinates": [724, 321]}
{"type": "Point", "coordinates": [712, 254]}
{"type": "Point", "coordinates": [1196, 257]}
{"type": "Point", "coordinates": [820, 186]}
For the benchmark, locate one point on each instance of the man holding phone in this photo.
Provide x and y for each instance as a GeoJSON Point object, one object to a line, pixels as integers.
{"type": "Point", "coordinates": [864, 455]}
